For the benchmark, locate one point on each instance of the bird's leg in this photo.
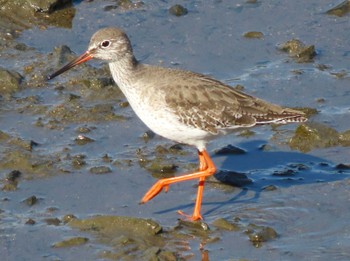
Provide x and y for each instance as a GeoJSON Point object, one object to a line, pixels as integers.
{"type": "Point", "coordinates": [206, 168]}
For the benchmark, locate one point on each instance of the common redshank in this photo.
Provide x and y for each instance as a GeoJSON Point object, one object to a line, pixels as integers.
{"type": "Point", "coordinates": [179, 105]}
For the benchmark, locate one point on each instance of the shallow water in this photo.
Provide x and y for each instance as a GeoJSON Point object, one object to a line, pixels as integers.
{"type": "Point", "coordinates": [309, 209]}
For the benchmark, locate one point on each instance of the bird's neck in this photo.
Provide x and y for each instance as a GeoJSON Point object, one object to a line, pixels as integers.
{"type": "Point", "coordinates": [123, 70]}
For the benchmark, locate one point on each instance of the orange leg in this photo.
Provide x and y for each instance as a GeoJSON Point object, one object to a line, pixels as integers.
{"type": "Point", "coordinates": [206, 168]}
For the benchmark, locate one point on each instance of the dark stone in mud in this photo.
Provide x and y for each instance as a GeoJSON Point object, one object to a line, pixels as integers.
{"type": "Point", "coordinates": [259, 234]}
{"type": "Point", "coordinates": [9, 186]}
{"type": "Point", "coordinates": [223, 224]}
{"type": "Point", "coordinates": [75, 241]}
{"type": "Point", "coordinates": [31, 200]}
{"type": "Point", "coordinates": [82, 140]}
{"type": "Point", "coordinates": [124, 5]}
{"type": "Point", "coordinates": [123, 104]}
{"type": "Point", "coordinates": [10, 82]}
{"type": "Point", "coordinates": [25, 144]}
{"type": "Point", "coordinates": [4, 136]}
{"type": "Point", "coordinates": [100, 170]}
{"type": "Point", "coordinates": [178, 10]}
{"type": "Point", "coordinates": [340, 75]}
{"type": "Point", "coordinates": [47, 5]}
{"type": "Point", "coordinates": [67, 218]}
{"type": "Point", "coordinates": [106, 158]}
{"type": "Point", "coordinates": [253, 34]}
{"type": "Point", "coordinates": [269, 188]}
{"type": "Point", "coordinates": [175, 148]}
{"type": "Point", "coordinates": [284, 173]}
{"type": "Point", "coordinates": [78, 161]}
{"type": "Point", "coordinates": [22, 14]}
{"type": "Point", "coordinates": [148, 135]}
{"type": "Point", "coordinates": [62, 54]}
{"type": "Point", "coordinates": [314, 135]}
{"type": "Point", "coordinates": [83, 129]}
{"type": "Point", "coordinates": [300, 52]}
{"type": "Point", "coordinates": [13, 175]}
{"type": "Point", "coordinates": [342, 166]}
{"type": "Point", "coordinates": [341, 9]}
{"type": "Point", "coordinates": [232, 178]}
{"type": "Point", "coordinates": [230, 150]}
{"type": "Point", "coordinates": [130, 225]}
{"type": "Point", "coordinates": [159, 167]}
{"type": "Point", "coordinates": [197, 227]}
{"type": "Point", "coordinates": [52, 221]}
{"type": "Point", "coordinates": [30, 222]}
{"type": "Point", "coordinates": [72, 97]}
{"type": "Point", "coordinates": [344, 138]}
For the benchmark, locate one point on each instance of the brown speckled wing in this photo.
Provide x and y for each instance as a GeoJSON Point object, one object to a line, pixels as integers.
{"type": "Point", "coordinates": [212, 106]}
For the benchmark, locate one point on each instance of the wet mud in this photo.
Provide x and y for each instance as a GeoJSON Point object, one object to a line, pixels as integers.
{"type": "Point", "coordinates": [75, 160]}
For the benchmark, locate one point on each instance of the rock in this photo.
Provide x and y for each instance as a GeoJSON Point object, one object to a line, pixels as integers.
{"type": "Point", "coordinates": [100, 170]}
{"type": "Point", "coordinates": [341, 9]}
{"type": "Point", "coordinates": [253, 34]}
{"type": "Point", "coordinates": [74, 241]}
{"type": "Point", "coordinates": [9, 82]}
{"type": "Point", "coordinates": [178, 10]}
{"type": "Point", "coordinates": [232, 178]}
{"type": "Point", "coordinates": [300, 52]}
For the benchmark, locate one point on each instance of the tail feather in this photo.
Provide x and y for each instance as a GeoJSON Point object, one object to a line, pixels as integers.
{"type": "Point", "coordinates": [286, 116]}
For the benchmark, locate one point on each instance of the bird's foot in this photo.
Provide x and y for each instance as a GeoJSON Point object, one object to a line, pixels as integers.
{"type": "Point", "coordinates": [194, 217]}
{"type": "Point", "coordinates": [155, 190]}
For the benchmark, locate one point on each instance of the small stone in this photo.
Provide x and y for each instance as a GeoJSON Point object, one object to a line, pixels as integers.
{"type": "Point", "coordinates": [100, 170]}
{"type": "Point", "coordinates": [123, 104]}
{"type": "Point", "coordinates": [257, 35]}
{"type": "Point", "coordinates": [269, 188]}
{"type": "Point", "coordinates": [30, 222]}
{"type": "Point", "coordinates": [52, 221]}
{"type": "Point", "coordinates": [78, 162]}
{"type": "Point", "coordinates": [68, 218]}
{"type": "Point", "coordinates": [52, 209]}
{"type": "Point", "coordinates": [230, 150]}
{"type": "Point", "coordinates": [31, 200]}
{"type": "Point", "coordinates": [176, 148]}
{"type": "Point", "coordinates": [9, 81]}
{"type": "Point", "coordinates": [262, 235]}
{"type": "Point", "coordinates": [82, 140]}
{"type": "Point", "coordinates": [341, 9]}
{"type": "Point", "coordinates": [300, 52]}
{"type": "Point", "coordinates": [106, 158]}
{"type": "Point", "coordinates": [9, 186]}
{"type": "Point", "coordinates": [148, 135]}
{"type": "Point", "coordinates": [178, 10]}
{"type": "Point", "coordinates": [75, 241]}
{"type": "Point", "coordinates": [232, 178]}
{"type": "Point", "coordinates": [158, 167]}
{"type": "Point", "coordinates": [225, 225]}
{"type": "Point", "coordinates": [342, 166]}
{"type": "Point", "coordinates": [73, 97]}
{"type": "Point", "coordinates": [284, 173]}
{"type": "Point", "coordinates": [13, 175]}
{"type": "Point", "coordinates": [83, 129]}
{"type": "Point", "coordinates": [197, 225]}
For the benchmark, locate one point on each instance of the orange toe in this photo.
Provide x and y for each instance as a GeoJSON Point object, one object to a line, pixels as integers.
{"type": "Point", "coordinates": [194, 217]}
{"type": "Point", "coordinates": [154, 190]}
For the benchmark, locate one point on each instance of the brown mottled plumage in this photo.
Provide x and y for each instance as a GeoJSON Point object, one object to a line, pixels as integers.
{"type": "Point", "coordinates": [180, 105]}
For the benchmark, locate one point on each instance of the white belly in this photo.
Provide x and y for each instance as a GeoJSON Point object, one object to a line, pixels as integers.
{"type": "Point", "coordinates": [164, 123]}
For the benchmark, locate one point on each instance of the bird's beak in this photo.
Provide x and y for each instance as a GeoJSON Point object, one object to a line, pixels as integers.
{"type": "Point", "coordinates": [81, 59]}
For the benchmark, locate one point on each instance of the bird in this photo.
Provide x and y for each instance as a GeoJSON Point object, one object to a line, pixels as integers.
{"type": "Point", "coordinates": [182, 106]}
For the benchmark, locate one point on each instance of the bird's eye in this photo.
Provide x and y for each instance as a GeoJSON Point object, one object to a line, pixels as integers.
{"type": "Point", "coordinates": [105, 44]}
